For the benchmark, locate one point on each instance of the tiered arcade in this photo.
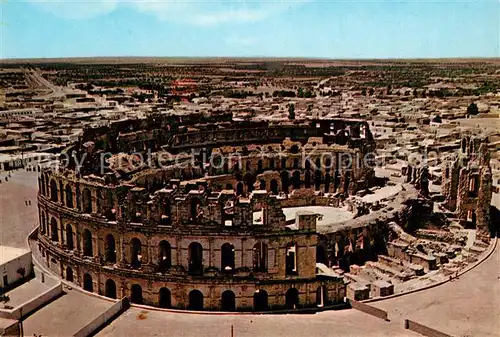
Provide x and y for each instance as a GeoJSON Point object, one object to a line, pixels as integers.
{"type": "Point", "coordinates": [180, 230]}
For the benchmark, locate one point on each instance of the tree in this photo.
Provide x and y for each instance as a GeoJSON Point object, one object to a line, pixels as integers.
{"type": "Point", "coordinates": [371, 91]}
{"type": "Point", "coordinates": [472, 109]}
{"type": "Point", "coordinates": [363, 92]}
{"type": "Point", "coordinates": [291, 111]}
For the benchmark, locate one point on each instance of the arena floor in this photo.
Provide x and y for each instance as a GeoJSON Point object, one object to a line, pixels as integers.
{"type": "Point", "coordinates": [329, 215]}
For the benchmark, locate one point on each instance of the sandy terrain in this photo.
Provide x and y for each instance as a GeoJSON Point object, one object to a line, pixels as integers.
{"type": "Point", "coordinates": [330, 214]}
{"type": "Point", "coordinates": [345, 323]}
{"type": "Point", "coordinates": [465, 307]}
{"type": "Point", "coordinates": [16, 219]}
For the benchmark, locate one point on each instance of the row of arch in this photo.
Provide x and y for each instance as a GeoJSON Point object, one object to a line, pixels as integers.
{"type": "Point", "coordinates": [196, 298]}
{"type": "Point", "coordinates": [310, 179]}
{"type": "Point", "coordinates": [195, 251]}
{"type": "Point", "coordinates": [231, 165]}
{"type": "Point", "coordinates": [65, 195]}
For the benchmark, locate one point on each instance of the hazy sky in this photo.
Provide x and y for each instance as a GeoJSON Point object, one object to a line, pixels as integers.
{"type": "Point", "coordinates": [325, 29]}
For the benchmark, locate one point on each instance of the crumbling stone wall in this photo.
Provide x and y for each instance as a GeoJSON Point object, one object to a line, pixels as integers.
{"type": "Point", "coordinates": [467, 184]}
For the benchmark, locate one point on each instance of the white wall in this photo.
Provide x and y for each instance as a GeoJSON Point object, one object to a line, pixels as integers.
{"type": "Point", "coordinates": [10, 268]}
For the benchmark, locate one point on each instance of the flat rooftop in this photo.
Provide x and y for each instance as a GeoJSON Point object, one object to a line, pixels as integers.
{"type": "Point", "coordinates": [8, 254]}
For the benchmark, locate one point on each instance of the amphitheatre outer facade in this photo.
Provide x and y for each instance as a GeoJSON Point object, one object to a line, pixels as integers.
{"type": "Point", "coordinates": [208, 233]}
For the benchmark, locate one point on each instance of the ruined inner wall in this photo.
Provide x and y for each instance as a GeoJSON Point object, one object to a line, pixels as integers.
{"type": "Point", "coordinates": [467, 184]}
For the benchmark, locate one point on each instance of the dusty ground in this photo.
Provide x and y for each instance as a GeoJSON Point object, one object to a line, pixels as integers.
{"type": "Point", "coordinates": [484, 124]}
{"type": "Point", "coordinates": [343, 323]}
{"type": "Point", "coordinates": [330, 214]}
{"type": "Point", "coordinates": [16, 219]}
{"type": "Point", "coordinates": [467, 306]}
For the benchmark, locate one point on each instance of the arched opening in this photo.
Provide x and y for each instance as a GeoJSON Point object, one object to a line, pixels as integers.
{"type": "Point", "coordinates": [283, 163]}
{"type": "Point", "coordinates": [296, 163]}
{"type": "Point", "coordinates": [239, 188]}
{"type": "Point", "coordinates": [260, 300]}
{"type": "Point", "coordinates": [307, 179]}
{"type": "Point", "coordinates": [110, 289]}
{"type": "Point", "coordinates": [262, 185]}
{"type": "Point", "coordinates": [292, 299]}
{"type": "Point", "coordinates": [296, 179]}
{"type": "Point", "coordinates": [87, 243]}
{"type": "Point", "coordinates": [317, 180]}
{"type": "Point", "coordinates": [44, 228]}
{"type": "Point", "coordinates": [69, 237]}
{"type": "Point", "coordinates": [110, 204]}
{"type": "Point", "coordinates": [54, 236]}
{"type": "Point", "coordinates": [195, 209]}
{"type": "Point", "coordinates": [87, 201]}
{"type": "Point", "coordinates": [195, 258]}
{"type": "Point", "coordinates": [321, 297]}
{"type": "Point", "coordinates": [328, 163]}
{"type": "Point", "coordinates": [327, 182]}
{"type": "Point", "coordinates": [136, 294]}
{"type": "Point", "coordinates": [284, 181]}
{"type": "Point", "coordinates": [42, 185]}
{"type": "Point", "coordinates": [69, 274]}
{"type": "Point", "coordinates": [321, 253]}
{"type": "Point", "coordinates": [317, 164]}
{"type": "Point", "coordinates": [291, 259]}
{"type": "Point", "coordinates": [164, 256]}
{"type": "Point", "coordinates": [294, 149]}
{"type": "Point", "coordinates": [274, 186]}
{"type": "Point", "coordinates": [272, 164]}
{"type": "Point", "coordinates": [53, 191]}
{"type": "Point", "coordinates": [135, 253]}
{"type": "Point", "coordinates": [195, 300]}
{"type": "Point", "coordinates": [165, 298]}
{"type": "Point", "coordinates": [228, 301]}
{"type": "Point", "coordinates": [69, 196]}
{"type": "Point", "coordinates": [110, 248]}
{"type": "Point", "coordinates": [87, 283]}
{"type": "Point", "coordinates": [260, 166]}
{"type": "Point", "coordinates": [167, 214]}
{"type": "Point", "coordinates": [307, 165]}
{"type": "Point", "coordinates": [260, 257]}
{"type": "Point", "coordinates": [249, 181]}
{"type": "Point", "coordinates": [227, 257]}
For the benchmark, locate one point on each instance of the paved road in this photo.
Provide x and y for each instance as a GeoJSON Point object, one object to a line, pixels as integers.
{"type": "Point", "coordinates": [468, 306]}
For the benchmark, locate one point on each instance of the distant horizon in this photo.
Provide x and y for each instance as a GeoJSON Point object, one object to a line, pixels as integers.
{"type": "Point", "coordinates": [306, 29]}
{"type": "Point", "coordinates": [264, 58]}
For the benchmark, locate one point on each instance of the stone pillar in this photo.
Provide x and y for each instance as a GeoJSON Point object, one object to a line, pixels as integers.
{"type": "Point", "coordinates": [211, 253]}
{"type": "Point", "coordinates": [243, 252]}
{"type": "Point", "coordinates": [97, 239]}
{"type": "Point", "coordinates": [121, 259]}
{"type": "Point", "coordinates": [78, 243]}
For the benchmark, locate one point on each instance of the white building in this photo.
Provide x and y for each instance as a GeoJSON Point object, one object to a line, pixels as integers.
{"type": "Point", "coordinates": [15, 264]}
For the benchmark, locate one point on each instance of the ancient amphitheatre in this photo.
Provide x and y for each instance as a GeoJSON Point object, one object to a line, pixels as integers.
{"type": "Point", "coordinates": [235, 213]}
